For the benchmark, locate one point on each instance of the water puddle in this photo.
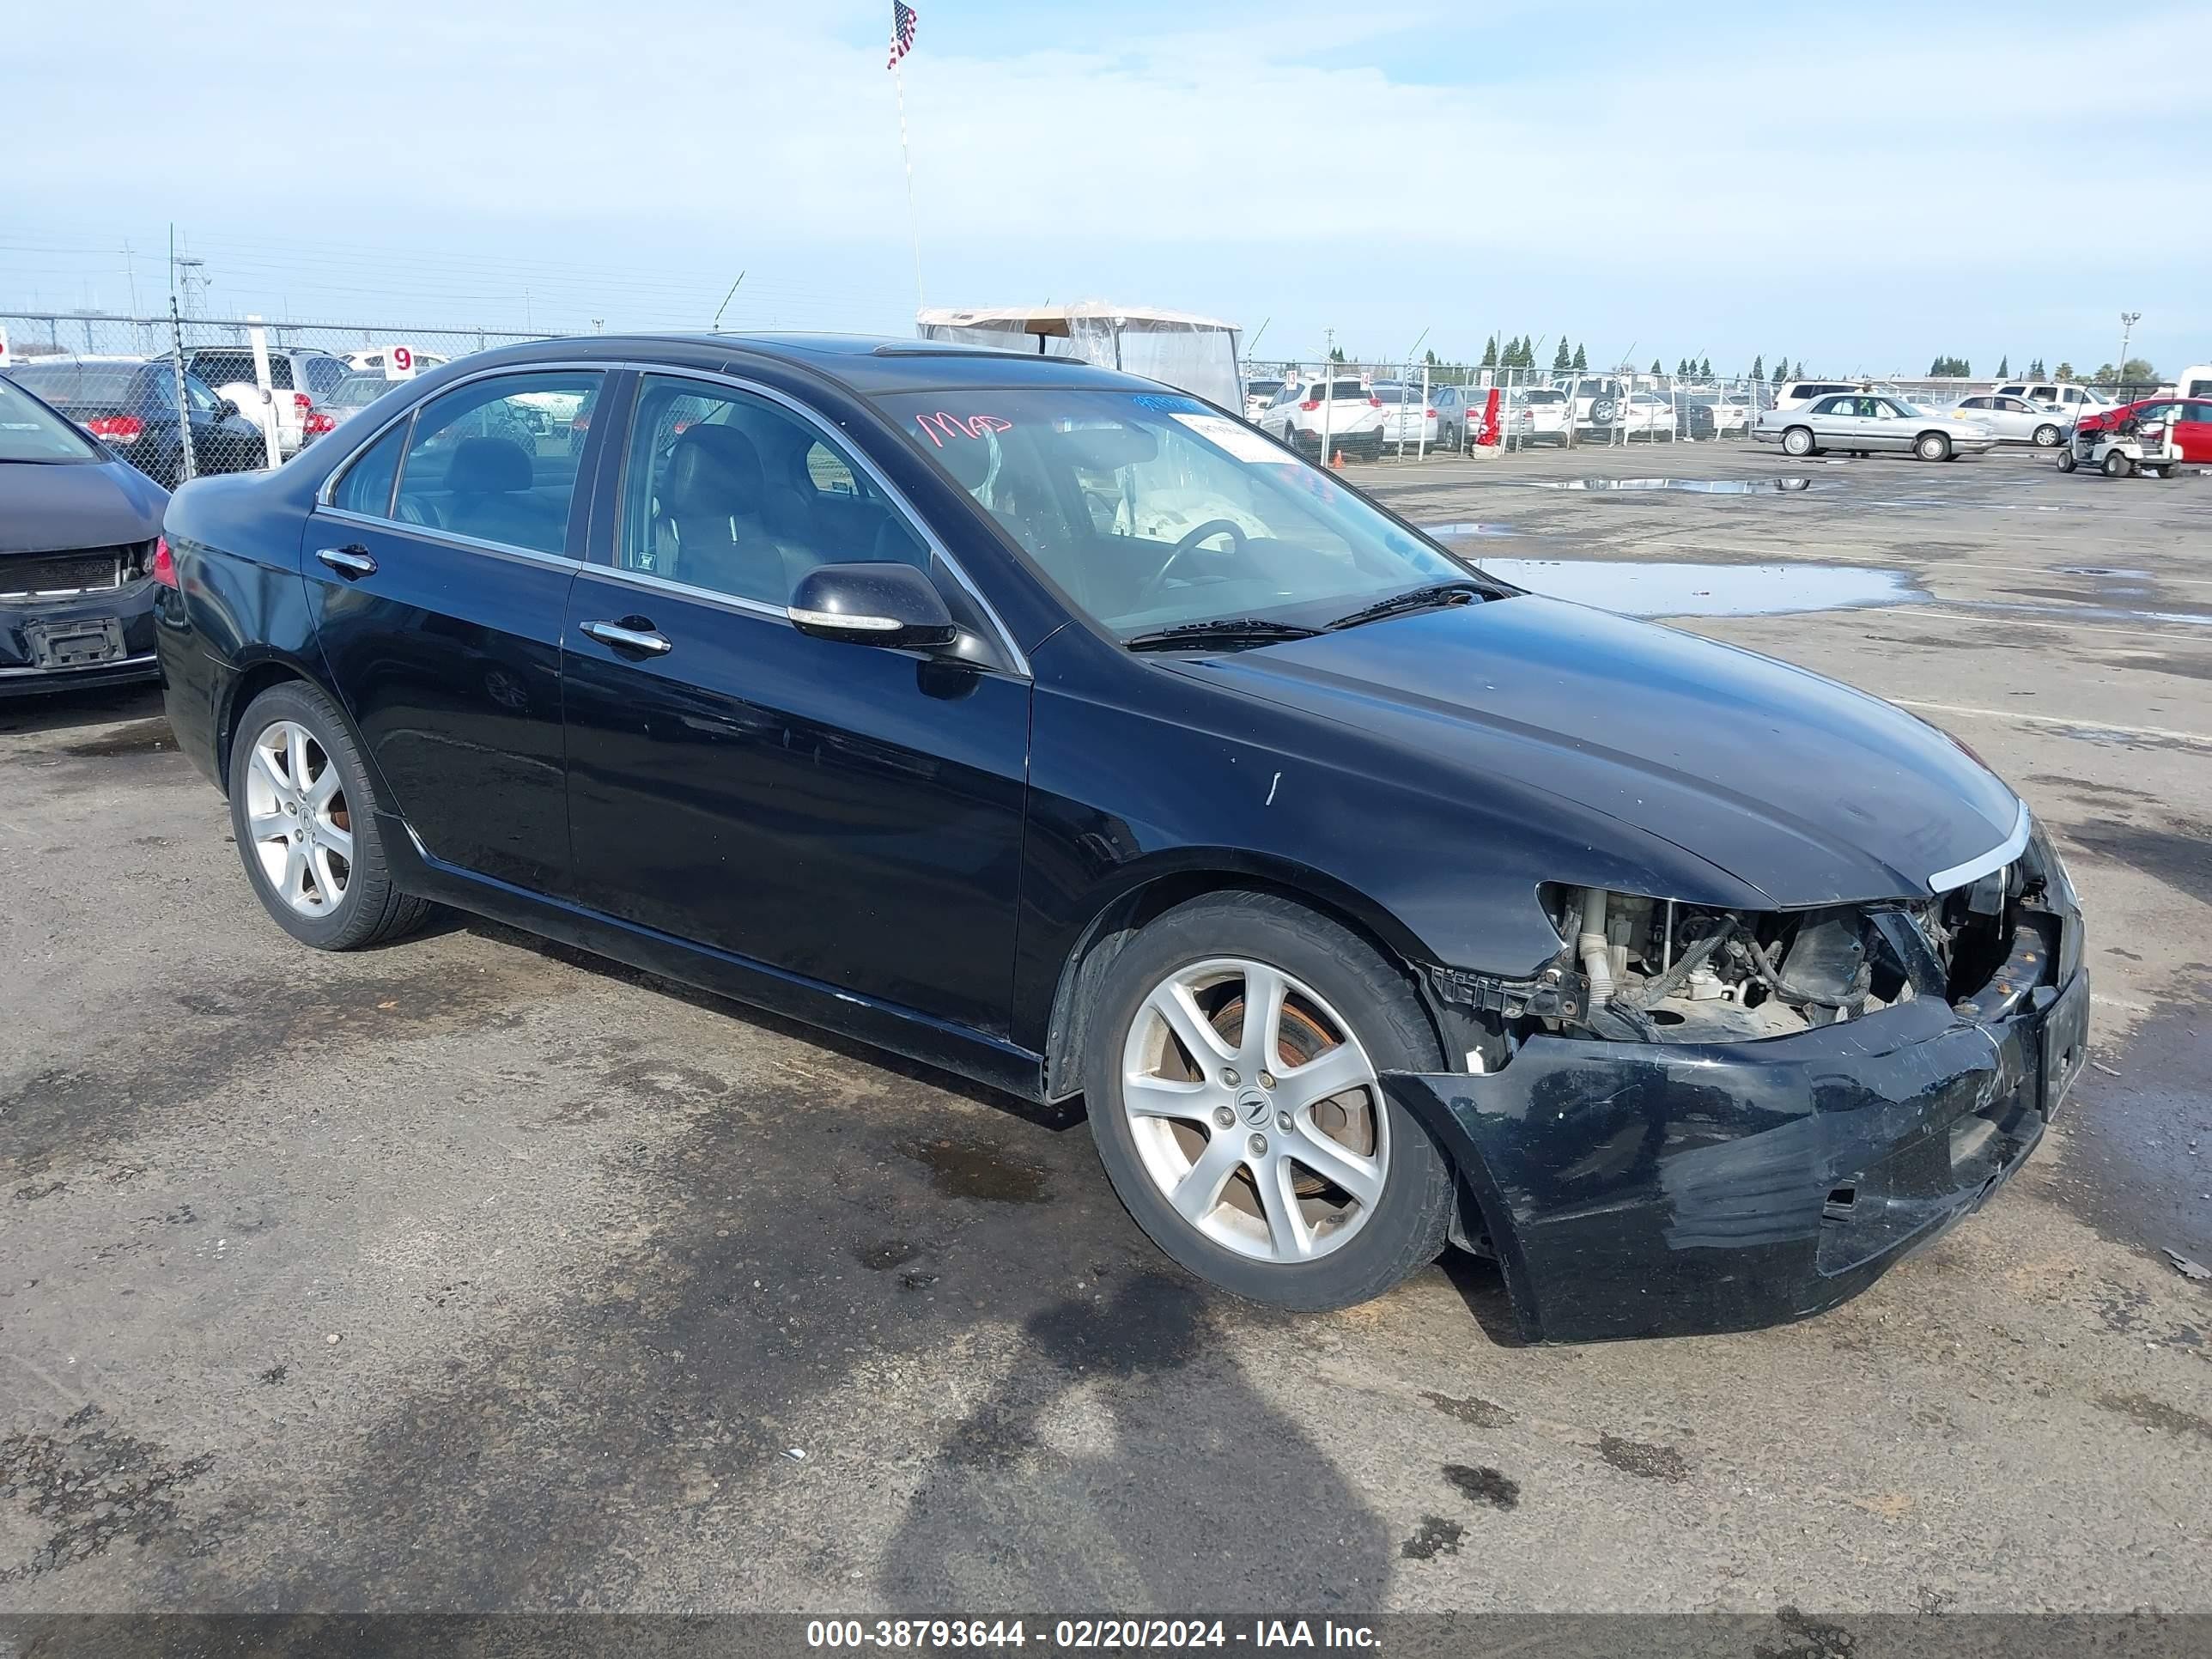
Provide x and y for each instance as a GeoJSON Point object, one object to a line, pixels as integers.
{"type": "Point", "coordinates": [2102, 570]}
{"type": "Point", "coordinates": [1447, 532]}
{"type": "Point", "coordinates": [1785, 486]}
{"type": "Point", "coordinates": [1708, 590]}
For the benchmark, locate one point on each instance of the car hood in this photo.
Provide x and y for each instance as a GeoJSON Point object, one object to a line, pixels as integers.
{"type": "Point", "coordinates": [1808, 790]}
{"type": "Point", "coordinates": [69, 504]}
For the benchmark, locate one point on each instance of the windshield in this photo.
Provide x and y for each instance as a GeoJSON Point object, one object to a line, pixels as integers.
{"type": "Point", "coordinates": [29, 431]}
{"type": "Point", "coordinates": [1149, 511]}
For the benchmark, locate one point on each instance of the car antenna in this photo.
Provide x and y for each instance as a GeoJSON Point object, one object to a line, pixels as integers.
{"type": "Point", "coordinates": [715, 327]}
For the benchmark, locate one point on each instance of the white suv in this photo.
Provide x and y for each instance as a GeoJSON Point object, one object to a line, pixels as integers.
{"type": "Point", "coordinates": [300, 378]}
{"type": "Point", "coordinates": [1348, 413]}
{"type": "Point", "coordinates": [1794, 393]}
{"type": "Point", "coordinates": [2069, 400]}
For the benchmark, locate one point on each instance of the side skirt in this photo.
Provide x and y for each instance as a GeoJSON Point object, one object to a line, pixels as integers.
{"type": "Point", "coordinates": [902, 1031]}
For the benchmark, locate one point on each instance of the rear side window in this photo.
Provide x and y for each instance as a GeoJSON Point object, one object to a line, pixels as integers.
{"type": "Point", "coordinates": [324, 375]}
{"type": "Point", "coordinates": [367, 486]}
{"type": "Point", "coordinates": [495, 460]}
{"type": "Point", "coordinates": [2197, 389]}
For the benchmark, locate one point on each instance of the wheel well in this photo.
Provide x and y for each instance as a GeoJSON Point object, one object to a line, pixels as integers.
{"type": "Point", "coordinates": [1121, 921]}
{"type": "Point", "coordinates": [250, 684]}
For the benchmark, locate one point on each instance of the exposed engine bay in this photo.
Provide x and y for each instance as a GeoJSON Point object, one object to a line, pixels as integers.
{"type": "Point", "coordinates": [1638, 970]}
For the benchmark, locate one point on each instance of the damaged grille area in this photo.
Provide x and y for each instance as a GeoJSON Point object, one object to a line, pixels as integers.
{"type": "Point", "coordinates": [1638, 970]}
{"type": "Point", "coordinates": [64, 575]}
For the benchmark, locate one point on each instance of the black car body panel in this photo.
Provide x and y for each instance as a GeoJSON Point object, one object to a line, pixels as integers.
{"type": "Point", "coordinates": [77, 539]}
{"type": "Point", "coordinates": [924, 849]}
{"type": "Point", "coordinates": [1673, 1190]}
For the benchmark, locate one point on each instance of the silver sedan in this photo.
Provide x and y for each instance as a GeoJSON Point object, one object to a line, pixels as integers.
{"type": "Point", "coordinates": [1868, 423]}
{"type": "Point", "coordinates": [2014, 419]}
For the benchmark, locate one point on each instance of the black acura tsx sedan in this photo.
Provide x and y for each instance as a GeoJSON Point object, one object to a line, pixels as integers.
{"type": "Point", "coordinates": [1056, 728]}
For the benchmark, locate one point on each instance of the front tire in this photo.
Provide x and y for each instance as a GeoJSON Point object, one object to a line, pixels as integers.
{"type": "Point", "coordinates": [304, 816]}
{"type": "Point", "coordinates": [1264, 1157]}
{"type": "Point", "coordinates": [1933, 447]}
{"type": "Point", "coordinates": [2066, 462]}
{"type": "Point", "coordinates": [1798, 441]}
{"type": "Point", "coordinates": [2046, 437]}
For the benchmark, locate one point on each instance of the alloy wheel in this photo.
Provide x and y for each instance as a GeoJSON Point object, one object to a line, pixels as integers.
{"type": "Point", "coordinates": [297, 815]}
{"type": "Point", "coordinates": [1255, 1111]}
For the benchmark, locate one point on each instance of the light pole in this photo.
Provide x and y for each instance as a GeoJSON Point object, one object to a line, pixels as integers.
{"type": "Point", "coordinates": [2127, 321]}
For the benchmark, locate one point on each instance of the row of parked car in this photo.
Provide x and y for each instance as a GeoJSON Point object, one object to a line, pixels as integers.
{"type": "Point", "coordinates": [1364, 419]}
{"type": "Point", "coordinates": [130, 404]}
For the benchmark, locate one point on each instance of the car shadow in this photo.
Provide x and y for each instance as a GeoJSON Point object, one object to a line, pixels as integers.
{"type": "Point", "coordinates": [1065, 1115]}
{"type": "Point", "coordinates": [28, 714]}
{"type": "Point", "coordinates": [1127, 1463]}
{"type": "Point", "coordinates": [1481, 1285]}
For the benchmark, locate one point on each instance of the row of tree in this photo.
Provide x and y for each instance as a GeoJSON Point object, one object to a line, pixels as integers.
{"type": "Point", "coordinates": [1520, 352]}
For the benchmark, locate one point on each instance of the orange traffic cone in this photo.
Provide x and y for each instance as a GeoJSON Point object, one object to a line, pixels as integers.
{"type": "Point", "coordinates": [1336, 461]}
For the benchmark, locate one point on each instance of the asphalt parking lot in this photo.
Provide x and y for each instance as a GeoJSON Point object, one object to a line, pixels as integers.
{"type": "Point", "coordinates": [470, 1274]}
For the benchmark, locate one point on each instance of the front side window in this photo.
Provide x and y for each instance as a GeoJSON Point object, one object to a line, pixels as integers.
{"type": "Point", "coordinates": [496, 459]}
{"type": "Point", "coordinates": [1149, 510]}
{"type": "Point", "coordinates": [733, 493]}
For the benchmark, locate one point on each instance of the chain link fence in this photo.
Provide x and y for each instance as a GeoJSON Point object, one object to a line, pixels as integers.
{"type": "Point", "coordinates": [179, 397]}
{"type": "Point", "coordinates": [1369, 412]}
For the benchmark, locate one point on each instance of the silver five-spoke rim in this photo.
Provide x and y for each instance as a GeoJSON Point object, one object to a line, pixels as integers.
{"type": "Point", "coordinates": [296, 814]}
{"type": "Point", "coordinates": [1255, 1111]}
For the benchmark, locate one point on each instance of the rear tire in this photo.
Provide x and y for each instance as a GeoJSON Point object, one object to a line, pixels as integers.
{"type": "Point", "coordinates": [1206, 1202]}
{"type": "Point", "coordinates": [1798, 441]}
{"type": "Point", "coordinates": [304, 816]}
{"type": "Point", "coordinates": [2117, 466]}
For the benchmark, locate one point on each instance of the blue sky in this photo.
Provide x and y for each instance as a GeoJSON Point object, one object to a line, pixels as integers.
{"type": "Point", "coordinates": [1861, 189]}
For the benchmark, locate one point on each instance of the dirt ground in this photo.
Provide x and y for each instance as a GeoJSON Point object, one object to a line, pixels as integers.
{"type": "Point", "coordinates": [471, 1273]}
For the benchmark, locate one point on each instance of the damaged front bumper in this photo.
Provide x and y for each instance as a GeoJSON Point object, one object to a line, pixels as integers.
{"type": "Point", "coordinates": [1667, 1189]}
{"type": "Point", "coordinates": [104, 636]}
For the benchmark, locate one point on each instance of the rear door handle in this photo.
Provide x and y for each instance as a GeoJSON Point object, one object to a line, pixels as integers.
{"type": "Point", "coordinates": [643, 641]}
{"type": "Point", "coordinates": [352, 562]}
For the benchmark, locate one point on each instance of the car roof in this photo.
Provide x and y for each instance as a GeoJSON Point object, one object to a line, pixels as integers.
{"type": "Point", "coordinates": [867, 365]}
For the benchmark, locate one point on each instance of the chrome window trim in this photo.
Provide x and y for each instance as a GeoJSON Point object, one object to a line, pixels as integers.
{"type": "Point", "coordinates": [853, 453]}
{"type": "Point", "coordinates": [451, 539]}
{"type": "Point", "coordinates": [1944, 881]}
{"type": "Point", "coordinates": [651, 583]}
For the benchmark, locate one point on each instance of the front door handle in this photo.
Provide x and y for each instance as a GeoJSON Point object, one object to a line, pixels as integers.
{"type": "Point", "coordinates": [352, 562]}
{"type": "Point", "coordinates": [643, 641]}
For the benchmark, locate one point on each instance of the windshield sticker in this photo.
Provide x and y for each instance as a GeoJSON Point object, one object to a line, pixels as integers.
{"type": "Point", "coordinates": [1167, 404]}
{"type": "Point", "coordinates": [1239, 440]}
{"type": "Point", "coordinates": [940, 426]}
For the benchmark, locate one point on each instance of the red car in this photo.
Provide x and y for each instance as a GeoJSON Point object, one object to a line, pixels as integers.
{"type": "Point", "coordinates": [2191, 418]}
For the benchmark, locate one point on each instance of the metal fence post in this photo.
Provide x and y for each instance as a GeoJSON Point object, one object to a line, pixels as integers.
{"type": "Point", "coordinates": [187, 463]}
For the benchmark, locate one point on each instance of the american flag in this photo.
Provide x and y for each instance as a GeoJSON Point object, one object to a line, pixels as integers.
{"type": "Point", "coordinates": [902, 32]}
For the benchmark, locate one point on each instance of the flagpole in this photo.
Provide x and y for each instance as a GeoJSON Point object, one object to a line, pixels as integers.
{"type": "Point", "coordinates": [913, 219]}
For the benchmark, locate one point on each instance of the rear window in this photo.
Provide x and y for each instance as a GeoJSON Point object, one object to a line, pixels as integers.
{"type": "Point", "coordinates": [1543, 395]}
{"type": "Point", "coordinates": [2197, 389]}
{"type": "Point", "coordinates": [55, 382]}
{"type": "Point", "coordinates": [31, 432]}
